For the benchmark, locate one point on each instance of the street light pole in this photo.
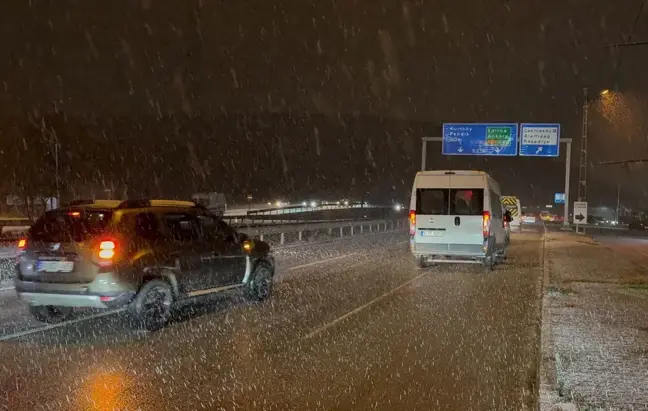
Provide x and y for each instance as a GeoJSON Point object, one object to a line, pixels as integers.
{"type": "Point", "coordinates": [582, 170]}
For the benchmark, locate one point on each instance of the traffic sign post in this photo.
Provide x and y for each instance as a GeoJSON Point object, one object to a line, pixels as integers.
{"type": "Point", "coordinates": [580, 213]}
{"type": "Point", "coordinates": [539, 140]}
{"type": "Point", "coordinates": [480, 139]}
{"type": "Point", "coordinates": [567, 141]}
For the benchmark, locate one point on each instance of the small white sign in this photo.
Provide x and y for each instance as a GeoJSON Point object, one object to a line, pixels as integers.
{"type": "Point", "coordinates": [580, 212]}
{"type": "Point", "coordinates": [544, 136]}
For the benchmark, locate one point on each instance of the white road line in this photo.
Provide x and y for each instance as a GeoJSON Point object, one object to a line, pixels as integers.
{"type": "Point", "coordinates": [362, 307]}
{"type": "Point", "coordinates": [63, 324]}
{"type": "Point", "coordinates": [322, 261]}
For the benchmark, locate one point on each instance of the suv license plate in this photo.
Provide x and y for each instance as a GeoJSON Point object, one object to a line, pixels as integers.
{"type": "Point", "coordinates": [55, 266]}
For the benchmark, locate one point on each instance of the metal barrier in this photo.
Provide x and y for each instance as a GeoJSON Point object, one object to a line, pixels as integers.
{"type": "Point", "coordinates": [332, 229]}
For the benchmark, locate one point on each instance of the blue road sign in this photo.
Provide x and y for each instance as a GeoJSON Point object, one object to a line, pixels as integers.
{"type": "Point", "coordinates": [539, 140]}
{"type": "Point", "coordinates": [477, 139]}
{"type": "Point", "coordinates": [559, 198]}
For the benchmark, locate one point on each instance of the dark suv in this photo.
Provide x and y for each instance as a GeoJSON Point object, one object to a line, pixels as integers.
{"type": "Point", "coordinates": [141, 254]}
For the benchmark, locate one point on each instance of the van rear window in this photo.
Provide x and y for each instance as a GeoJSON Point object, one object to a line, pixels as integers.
{"type": "Point", "coordinates": [463, 201]}
{"type": "Point", "coordinates": [432, 201]}
{"type": "Point", "coordinates": [70, 225]}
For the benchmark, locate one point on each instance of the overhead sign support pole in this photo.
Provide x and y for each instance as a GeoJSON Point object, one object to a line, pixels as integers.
{"type": "Point", "coordinates": [566, 141]}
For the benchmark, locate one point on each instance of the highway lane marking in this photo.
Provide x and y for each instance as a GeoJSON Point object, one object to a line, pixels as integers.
{"type": "Point", "coordinates": [334, 258]}
{"type": "Point", "coordinates": [362, 307]}
{"type": "Point", "coordinates": [322, 261]}
{"type": "Point", "coordinates": [63, 324]}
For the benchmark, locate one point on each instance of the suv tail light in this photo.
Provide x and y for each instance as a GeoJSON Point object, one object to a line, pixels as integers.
{"type": "Point", "coordinates": [486, 219]}
{"type": "Point", "coordinates": [107, 250]}
{"type": "Point", "coordinates": [412, 220]}
{"type": "Point", "coordinates": [22, 244]}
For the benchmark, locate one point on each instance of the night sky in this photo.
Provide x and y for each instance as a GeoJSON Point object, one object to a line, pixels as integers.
{"type": "Point", "coordinates": [326, 75]}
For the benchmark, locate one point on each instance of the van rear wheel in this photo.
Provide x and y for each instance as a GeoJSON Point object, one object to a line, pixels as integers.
{"type": "Point", "coordinates": [489, 263]}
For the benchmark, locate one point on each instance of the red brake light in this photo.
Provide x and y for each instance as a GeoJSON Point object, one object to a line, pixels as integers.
{"type": "Point", "coordinates": [107, 249]}
{"type": "Point", "coordinates": [486, 218]}
{"type": "Point", "coordinates": [412, 220]}
{"type": "Point", "coordinates": [22, 243]}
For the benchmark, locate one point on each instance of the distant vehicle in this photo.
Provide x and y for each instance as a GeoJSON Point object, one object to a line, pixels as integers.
{"type": "Point", "coordinates": [144, 255]}
{"type": "Point", "coordinates": [214, 202]}
{"type": "Point", "coordinates": [513, 206]}
{"type": "Point", "coordinates": [545, 216]}
{"type": "Point", "coordinates": [529, 218]}
{"type": "Point", "coordinates": [457, 216]}
{"type": "Point", "coordinates": [12, 228]}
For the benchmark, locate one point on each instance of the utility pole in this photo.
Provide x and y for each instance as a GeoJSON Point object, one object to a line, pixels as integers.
{"type": "Point", "coordinates": [618, 203]}
{"type": "Point", "coordinates": [56, 175]}
{"type": "Point", "coordinates": [582, 170]}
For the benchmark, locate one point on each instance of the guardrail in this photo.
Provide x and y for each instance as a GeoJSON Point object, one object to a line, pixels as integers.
{"type": "Point", "coordinates": [285, 232]}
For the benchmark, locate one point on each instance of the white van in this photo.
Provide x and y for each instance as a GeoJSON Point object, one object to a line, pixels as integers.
{"type": "Point", "coordinates": [457, 217]}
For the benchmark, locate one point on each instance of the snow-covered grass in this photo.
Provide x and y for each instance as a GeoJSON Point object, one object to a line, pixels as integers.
{"type": "Point", "coordinates": [595, 328]}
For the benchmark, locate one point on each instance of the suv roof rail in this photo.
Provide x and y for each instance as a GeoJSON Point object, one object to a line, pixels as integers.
{"type": "Point", "coordinates": [156, 203]}
{"type": "Point", "coordinates": [101, 203]}
{"type": "Point", "coordinates": [80, 202]}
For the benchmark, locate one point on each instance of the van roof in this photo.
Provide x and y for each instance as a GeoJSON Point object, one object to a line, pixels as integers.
{"type": "Point", "coordinates": [455, 172]}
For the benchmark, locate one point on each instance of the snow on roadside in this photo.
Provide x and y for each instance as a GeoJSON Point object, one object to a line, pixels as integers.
{"type": "Point", "coordinates": [595, 328]}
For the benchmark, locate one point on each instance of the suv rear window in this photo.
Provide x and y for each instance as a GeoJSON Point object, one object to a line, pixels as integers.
{"type": "Point", "coordinates": [441, 201]}
{"type": "Point", "coordinates": [70, 225]}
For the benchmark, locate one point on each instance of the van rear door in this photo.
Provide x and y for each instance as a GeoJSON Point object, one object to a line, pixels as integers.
{"type": "Point", "coordinates": [466, 211]}
{"type": "Point", "coordinates": [449, 218]}
{"type": "Point", "coordinates": [433, 224]}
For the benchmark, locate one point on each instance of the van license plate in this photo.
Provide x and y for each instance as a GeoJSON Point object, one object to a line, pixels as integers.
{"type": "Point", "coordinates": [55, 266]}
{"type": "Point", "coordinates": [431, 233]}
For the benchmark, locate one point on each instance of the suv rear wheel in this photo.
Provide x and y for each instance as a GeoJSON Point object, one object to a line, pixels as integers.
{"type": "Point", "coordinates": [49, 313]}
{"type": "Point", "coordinates": [260, 286]}
{"type": "Point", "coordinates": [152, 305]}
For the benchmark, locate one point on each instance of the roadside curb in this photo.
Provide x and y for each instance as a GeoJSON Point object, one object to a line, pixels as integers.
{"type": "Point", "coordinates": [543, 326]}
{"type": "Point", "coordinates": [548, 378]}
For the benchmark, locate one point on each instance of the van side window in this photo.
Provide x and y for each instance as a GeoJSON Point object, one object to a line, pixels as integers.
{"type": "Point", "coordinates": [432, 201]}
{"type": "Point", "coordinates": [467, 201]}
{"type": "Point", "coordinates": [496, 205]}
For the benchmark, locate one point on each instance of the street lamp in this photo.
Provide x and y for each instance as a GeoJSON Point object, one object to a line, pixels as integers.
{"type": "Point", "coordinates": [582, 171]}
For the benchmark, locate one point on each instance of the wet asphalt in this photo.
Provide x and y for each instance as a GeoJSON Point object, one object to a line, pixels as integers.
{"type": "Point", "coordinates": [352, 325]}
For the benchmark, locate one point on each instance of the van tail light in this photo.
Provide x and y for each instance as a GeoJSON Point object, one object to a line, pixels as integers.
{"type": "Point", "coordinates": [107, 250]}
{"type": "Point", "coordinates": [22, 244]}
{"type": "Point", "coordinates": [412, 220]}
{"type": "Point", "coordinates": [486, 220]}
